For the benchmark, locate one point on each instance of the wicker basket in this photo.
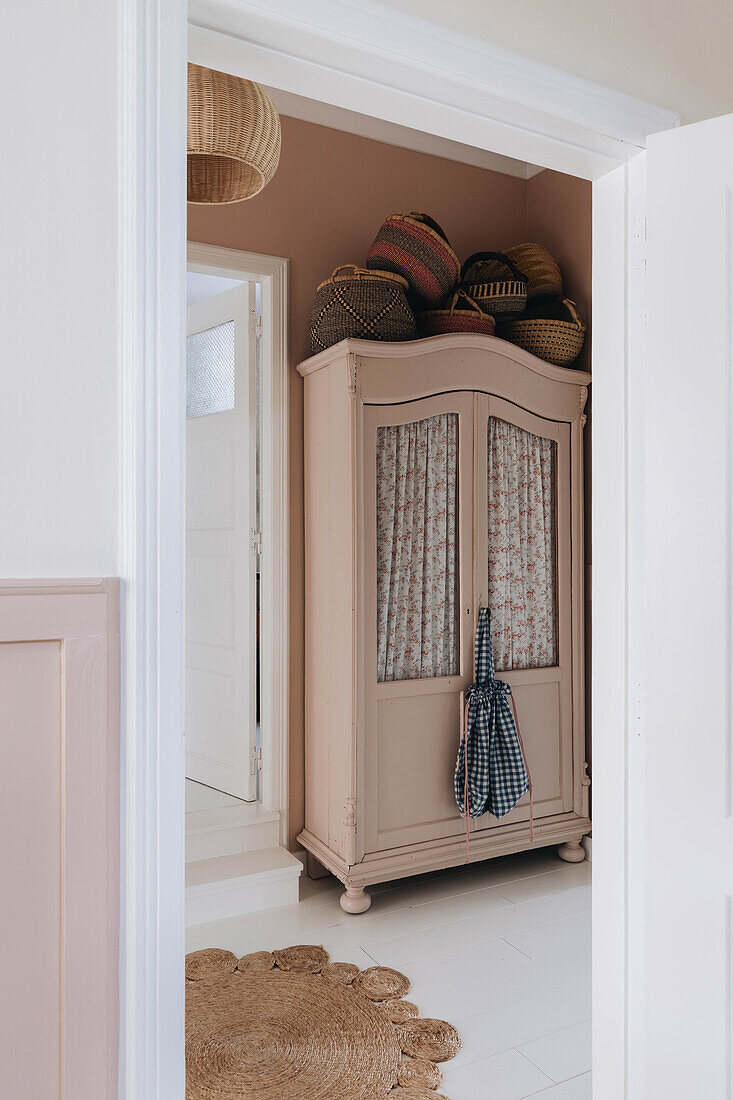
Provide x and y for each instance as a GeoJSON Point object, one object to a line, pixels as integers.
{"type": "Point", "coordinates": [495, 283]}
{"type": "Point", "coordinates": [435, 322]}
{"type": "Point", "coordinates": [415, 247]}
{"type": "Point", "coordinates": [544, 278]}
{"type": "Point", "coordinates": [233, 137]}
{"type": "Point", "coordinates": [555, 334]}
{"type": "Point", "coordinates": [364, 305]}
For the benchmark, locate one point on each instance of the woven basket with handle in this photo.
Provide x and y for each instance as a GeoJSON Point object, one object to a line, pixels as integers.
{"type": "Point", "coordinates": [495, 283]}
{"type": "Point", "coordinates": [233, 137]}
{"type": "Point", "coordinates": [557, 337]}
{"type": "Point", "coordinates": [415, 247]}
{"type": "Point", "coordinates": [435, 322]}
{"type": "Point", "coordinates": [544, 278]}
{"type": "Point", "coordinates": [360, 304]}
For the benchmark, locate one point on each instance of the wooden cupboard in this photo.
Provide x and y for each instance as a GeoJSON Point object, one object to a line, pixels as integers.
{"type": "Point", "coordinates": [440, 474]}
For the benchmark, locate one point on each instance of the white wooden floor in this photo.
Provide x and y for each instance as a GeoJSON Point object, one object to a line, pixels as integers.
{"type": "Point", "coordinates": [501, 949]}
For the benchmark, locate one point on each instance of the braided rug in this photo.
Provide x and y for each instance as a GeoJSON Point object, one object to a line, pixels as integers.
{"type": "Point", "coordinates": [292, 1025]}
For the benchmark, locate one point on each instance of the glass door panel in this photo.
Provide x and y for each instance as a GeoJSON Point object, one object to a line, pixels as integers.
{"type": "Point", "coordinates": [418, 613]}
{"type": "Point", "coordinates": [417, 541]}
{"type": "Point", "coordinates": [523, 570]}
{"type": "Point", "coordinates": [522, 552]}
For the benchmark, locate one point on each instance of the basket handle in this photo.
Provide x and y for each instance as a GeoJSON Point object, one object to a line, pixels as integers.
{"type": "Point", "coordinates": [460, 293]}
{"type": "Point", "coordinates": [501, 256]}
{"type": "Point", "coordinates": [570, 307]}
{"type": "Point", "coordinates": [428, 221]}
{"type": "Point", "coordinates": [347, 267]}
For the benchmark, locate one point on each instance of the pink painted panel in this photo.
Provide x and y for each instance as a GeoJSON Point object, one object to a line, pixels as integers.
{"type": "Point", "coordinates": [30, 823]}
{"type": "Point", "coordinates": [59, 802]}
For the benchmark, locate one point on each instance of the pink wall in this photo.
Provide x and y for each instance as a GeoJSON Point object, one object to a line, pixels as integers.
{"type": "Point", "coordinates": [559, 215]}
{"type": "Point", "coordinates": [323, 208]}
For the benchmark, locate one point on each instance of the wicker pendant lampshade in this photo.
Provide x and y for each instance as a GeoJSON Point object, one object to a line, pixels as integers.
{"type": "Point", "coordinates": [233, 137]}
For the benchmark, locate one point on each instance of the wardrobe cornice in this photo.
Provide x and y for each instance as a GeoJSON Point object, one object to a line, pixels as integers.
{"type": "Point", "coordinates": [435, 345]}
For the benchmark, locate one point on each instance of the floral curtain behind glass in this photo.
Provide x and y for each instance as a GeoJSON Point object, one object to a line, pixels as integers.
{"type": "Point", "coordinates": [522, 547]}
{"type": "Point", "coordinates": [417, 632]}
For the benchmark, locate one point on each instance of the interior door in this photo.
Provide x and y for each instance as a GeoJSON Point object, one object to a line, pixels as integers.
{"type": "Point", "coordinates": [685, 982]}
{"type": "Point", "coordinates": [418, 503]}
{"type": "Point", "coordinates": [523, 574]}
{"type": "Point", "coordinates": [221, 543]}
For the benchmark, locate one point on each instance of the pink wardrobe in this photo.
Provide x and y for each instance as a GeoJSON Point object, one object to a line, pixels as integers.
{"type": "Point", "coordinates": [441, 476]}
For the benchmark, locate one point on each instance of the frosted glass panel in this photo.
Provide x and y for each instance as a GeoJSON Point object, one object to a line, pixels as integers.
{"type": "Point", "coordinates": [522, 547]}
{"type": "Point", "coordinates": [210, 371]}
{"type": "Point", "coordinates": [417, 484]}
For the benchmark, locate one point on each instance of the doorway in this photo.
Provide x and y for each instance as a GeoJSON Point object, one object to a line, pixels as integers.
{"type": "Point", "coordinates": [223, 540]}
{"type": "Point", "coordinates": [495, 211]}
{"type": "Point", "coordinates": [236, 539]}
{"type": "Point", "coordinates": [509, 125]}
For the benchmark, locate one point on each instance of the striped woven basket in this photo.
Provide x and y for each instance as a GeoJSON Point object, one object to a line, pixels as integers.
{"type": "Point", "coordinates": [544, 278]}
{"type": "Point", "coordinates": [363, 305]}
{"type": "Point", "coordinates": [415, 247]}
{"type": "Point", "coordinates": [435, 322]}
{"type": "Point", "coordinates": [556, 336]}
{"type": "Point", "coordinates": [500, 296]}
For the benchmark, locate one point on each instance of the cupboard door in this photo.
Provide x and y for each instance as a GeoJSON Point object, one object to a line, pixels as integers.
{"type": "Point", "coordinates": [523, 573]}
{"type": "Point", "coordinates": [418, 614]}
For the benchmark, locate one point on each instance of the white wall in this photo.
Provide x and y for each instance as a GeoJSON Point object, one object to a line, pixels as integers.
{"type": "Point", "coordinates": [670, 52]}
{"type": "Point", "coordinates": [58, 298]}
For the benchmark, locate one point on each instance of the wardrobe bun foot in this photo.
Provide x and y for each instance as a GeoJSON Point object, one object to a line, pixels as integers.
{"type": "Point", "coordinates": [572, 852]}
{"type": "Point", "coordinates": [355, 900]}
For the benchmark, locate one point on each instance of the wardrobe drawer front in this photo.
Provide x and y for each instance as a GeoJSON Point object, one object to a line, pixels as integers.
{"type": "Point", "coordinates": [410, 786]}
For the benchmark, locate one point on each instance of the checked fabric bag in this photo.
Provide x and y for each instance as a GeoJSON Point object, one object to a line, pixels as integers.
{"type": "Point", "coordinates": [491, 772]}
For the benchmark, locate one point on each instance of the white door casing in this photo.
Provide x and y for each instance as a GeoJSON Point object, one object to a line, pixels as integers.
{"type": "Point", "coordinates": [271, 275]}
{"type": "Point", "coordinates": [221, 557]}
{"type": "Point", "coordinates": [683, 992]}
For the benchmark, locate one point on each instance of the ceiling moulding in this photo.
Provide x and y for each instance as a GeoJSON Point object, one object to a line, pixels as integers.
{"type": "Point", "coordinates": [368, 59]}
{"type": "Point", "coordinates": [376, 129]}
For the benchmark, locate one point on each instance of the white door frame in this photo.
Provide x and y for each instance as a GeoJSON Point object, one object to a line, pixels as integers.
{"type": "Point", "coordinates": [271, 272]}
{"type": "Point", "coordinates": [517, 108]}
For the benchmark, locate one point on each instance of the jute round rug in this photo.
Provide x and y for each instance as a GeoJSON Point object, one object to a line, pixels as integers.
{"type": "Point", "coordinates": [292, 1025]}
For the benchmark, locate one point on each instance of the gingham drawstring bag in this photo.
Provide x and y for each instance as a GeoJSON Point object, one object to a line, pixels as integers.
{"type": "Point", "coordinates": [491, 770]}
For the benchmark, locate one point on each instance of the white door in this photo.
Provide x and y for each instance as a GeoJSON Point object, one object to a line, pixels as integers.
{"type": "Point", "coordinates": [221, 543]}
{"type": "Point", "coordinates": [685, 980]}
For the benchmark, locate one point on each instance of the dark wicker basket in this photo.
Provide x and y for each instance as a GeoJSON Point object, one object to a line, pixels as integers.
{"type": "Point", "coordinates": [552, 331]}
{"type": "Point", "coordinates": [364, 305]}
{"type": "Point", "coordinates": [495, 283]}
{"type": "Point", "coordinates": [415, 247]}
{"type": "Point", "coordinates": [436, 322]}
